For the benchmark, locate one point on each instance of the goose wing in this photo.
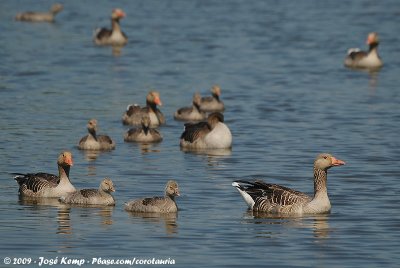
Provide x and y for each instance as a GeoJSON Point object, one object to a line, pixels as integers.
{"type": "Point", "coordinates": [193, 132]}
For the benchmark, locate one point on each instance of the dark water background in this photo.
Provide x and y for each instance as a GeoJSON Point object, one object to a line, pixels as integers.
{"type": "Point", "coordinates": [287, 96]}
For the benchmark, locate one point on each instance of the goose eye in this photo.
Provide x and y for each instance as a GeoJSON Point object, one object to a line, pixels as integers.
{"type": "Point", "coordinates": [325, 157]}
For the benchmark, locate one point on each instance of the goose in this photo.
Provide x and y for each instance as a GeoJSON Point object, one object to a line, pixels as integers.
{"type": "Point", "coordinates": [276, 199]}
{"type": "Point", "coordinates": [101, 196]}
{"type": "Point", "coordinates": [92, 141]}
{"type": "Point", "coordinates": [213, 134]}
{"type": "Point", "coordinates": [113, 37]}
{"type": "Point", "coordinates": [212, 103]}
{"type": "Point", "coordinates": [165, 204]}
{"type": "Point", "coordinates": [191, 113]}
{"type": "Point", "coordinates": [40, 16]}
{"type": "Point", "coordinates": [133, 114]}
{"type": "Point", "coordinates": [45, 184]}
{"type": "Point", "coordinates": [361, 59]}
{"type": "Point", "coordinates": [143, 134]}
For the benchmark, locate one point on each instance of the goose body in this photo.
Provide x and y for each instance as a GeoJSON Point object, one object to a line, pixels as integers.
{"type": "Point", "coordinates": [113, 36]}
{"type": "Point", "coordinates": [133, 114]}
{"type": "Point", "coordinates": [101, 196]}
{"type": "Point", "coordinates": [45, 184]}
{"type": "Point", "coordinates": [191, 113]}
{"type": "Point", "coordinates": [158, 204]}
{"type": "Point", "coordinates": [276, 199]}
{"type": "Point", "coordinates": [213, 134]}
{"type": "Point", "coordinates": [357, 58]}
{"type": "Point", "coordinates": [40, 16]}
{"type": "Point", "coordinates": [92, 141]}
{"type": "Point", "coordinates": [144, 133]}
{"type": "Point", "coordinates": [213, 102]}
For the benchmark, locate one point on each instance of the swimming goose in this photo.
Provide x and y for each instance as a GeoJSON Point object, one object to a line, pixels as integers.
{"type": "Point", "coordinates": [212, 103]}
{"type": "Point", "coordinates": [165, 204]}
{"type": "Point", "coordinates": [213, 134]}
{"type": "Point", "coordinates": [361, 59]}
{"type": "Point", "coordinates": [191, 113]}
{"type": "Point", "coordinates": [92, 141]}
{"type": "Point", "coordinates": [113, 37]}
{"type": "Point", "coordinates": [143, 134]}
{"type": "Point", "coordinates": [272, 198]}
{"type": "Point", "coordinates": [40, 16]}
{"type": "Point", "coordinates": [101, 196]}
{"type": "Point", "coordinates": [133, 114]}
{"type": "Point", "coordinates": [45, 184]}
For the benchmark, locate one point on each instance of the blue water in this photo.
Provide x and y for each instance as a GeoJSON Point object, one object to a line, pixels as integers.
{"type": "Point", "coordinates": [287, 96]}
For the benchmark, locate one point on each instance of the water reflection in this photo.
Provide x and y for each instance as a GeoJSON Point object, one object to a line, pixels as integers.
{"type": "Point", "coordinates": [317, 223]}
{"type": "Point", "coordinates": [168, 219]}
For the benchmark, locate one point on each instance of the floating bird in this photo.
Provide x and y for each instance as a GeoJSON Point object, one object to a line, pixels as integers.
{"type": "Point", "coordinates": [143, 133]}
{"type": "Point", "coordinates": [361, 59]}
{"type": "Point", "coordinates": [92, 141]}
{"type": "Point", "coordinates": [40, 16]}
{"type": "Point", "coordinates": [191, 113]}
{"type": "Point", "coordinates": [115, 36]}
{"type": "Point", "coordinates": [212, 103]}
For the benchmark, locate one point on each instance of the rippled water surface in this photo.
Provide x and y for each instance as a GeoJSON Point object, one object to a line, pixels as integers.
{"type": "Point", "coordinates": [287, 96]}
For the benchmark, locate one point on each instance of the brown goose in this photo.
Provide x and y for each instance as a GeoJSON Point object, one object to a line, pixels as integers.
{"type": "Point", "coordinates": [113, 37]}
{"type": "Point", "coordinates": [361, 59]}
{"type": "Point", "coordinates": [272, 198]}
{"type": "Point", "coordinates": [213, 134]}
{"type": "Point", "coordinates": [92, 141]}
{"type": "Point", "coordinates": [144, 134]}
{"type": "Point", "coordinates": [101, 196]}
{"type": "Point", "coordinates": [134, 113]}
{"type": "Point", "coordinates": [45, 184]}
{"type": "Point", "coordinates": [212, 103]}
{"type": "Point", "coordinates": [165, 204]}
{"type": "Point", "coordinates": [40, 16]}
{"type": "Point", "coordinates": [191, 113]}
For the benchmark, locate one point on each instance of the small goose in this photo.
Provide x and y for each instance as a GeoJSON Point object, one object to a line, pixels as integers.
{"type": "Point", "coordinates": [45, 184]}
{"type": "Point", "coordinates": [101, 196]}
{"type": "Point", "coordinates": [213, 134]}
{"type": "Point", "coordinates": [143, 134]}
{"type": "Point", "coordinates": [133, 114]}
{"type": "Point", "coordinates": [92, 141]}
{"type": "Point", "coordinates": [165, 204]}
{"type": "Point", "coordinates": [191, 113]}
{"type": "Point", "coordinates": [113, 37]}
{"type": "Point", "coordinates": [212, 103]}
{"type": "Point", "coordinates": [361, 59]}
{"type": "Point", "coordinates": [276, 199]}
{"type": "Point", "coordinates": [40, 16]}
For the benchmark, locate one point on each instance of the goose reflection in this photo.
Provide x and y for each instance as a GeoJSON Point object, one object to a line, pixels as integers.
{"type": "Point", "coordinates": [168, 219]}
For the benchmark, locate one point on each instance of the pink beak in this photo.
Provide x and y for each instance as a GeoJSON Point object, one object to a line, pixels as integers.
{"type": "Point", "coordinates": [337, 162]}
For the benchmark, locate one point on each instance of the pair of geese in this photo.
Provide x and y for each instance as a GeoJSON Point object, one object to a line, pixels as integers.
{"type": "Point", "coordinates": [46, 185]}
{"type": "Point", "coordinates": [210, 134]}
{"type": "Point", "coordinates": [259, 196]}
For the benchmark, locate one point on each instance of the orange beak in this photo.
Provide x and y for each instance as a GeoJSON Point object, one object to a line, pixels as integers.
{"type": "Point", "coordinates": [337, 162]}
{"type": "Point", "coordinates": [157, 101]}
{"type": "Point", "coordinates": [177, 192]}
{"type": "Point", "coordinates": [69, 161]}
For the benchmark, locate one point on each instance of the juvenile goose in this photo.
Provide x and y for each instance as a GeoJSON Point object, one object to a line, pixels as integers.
{"type": "Point", "coordinates": [165, 204]}
{"type": "Point", "coordinates": [115, 36]}
{"type": "Point", "coordinates": [361, 59]}
{"type": "Point", "coordinates": [272, 198]}
{"type": "Point", "coordinates": [45, 184]}
{"type": "Point", "coordinates": [92, 141]}
{"type": "Point", "coordinates": [134, 113]}
{"type": "Point", "coordinates": [213, 134]}
{"type": "Point", "coordinates": [143, 134]}
{"type": "Point", "coordinates": [101, 196]}
{"type": "Point", "coordinates": [40, 16]}
{"type": "Point", "coordinates": [212, 103]}
{"type": "Point", "coordinates": [191, 113]}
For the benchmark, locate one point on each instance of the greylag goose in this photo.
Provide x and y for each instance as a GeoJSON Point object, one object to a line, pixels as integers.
{"type": "Point", "coordinates": [212, 103]}
{"type": "Point", "coordinates": [134, 113]}
{"type": "Point", "coordinates": [191, 113]}
{"type": "Point", "coordinates": [92, 141]}
{"type": "Point", "coordinates": [362, 59]}
{"type": "Point", "coordinates": [143, 134]}
{"type": "Point", "coordinates": [101, 196]}
{"type": "Point", "coordinates": [213, 134]}
{"type": "Point", "coordinates": [45, 184]}
{"type": "Point", "coordinates": [115, 36]}
{"type": "Point", "coordinates": [272, 198]}
{"type": "Point", "coordinates": [40, 16]}
{"type": "Point", "coordinates": [165, 204]}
